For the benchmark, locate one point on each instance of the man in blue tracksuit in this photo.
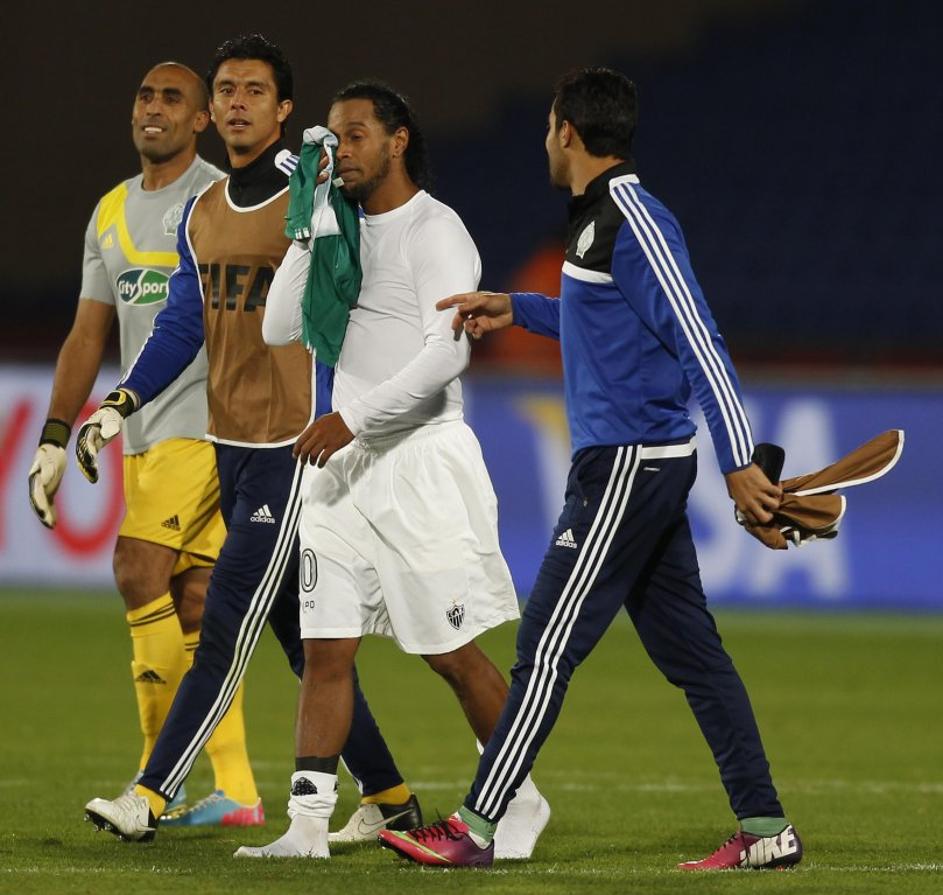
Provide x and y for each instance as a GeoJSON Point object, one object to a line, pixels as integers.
{"type": "Point", "coordinates": [637, 338]}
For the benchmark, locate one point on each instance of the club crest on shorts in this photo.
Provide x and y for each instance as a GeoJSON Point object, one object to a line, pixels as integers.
{"type": "Point", "coordinates": [455, 614]}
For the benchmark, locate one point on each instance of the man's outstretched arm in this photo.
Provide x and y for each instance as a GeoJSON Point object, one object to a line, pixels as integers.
{"type": "Point", "coordinates": [478, 313]}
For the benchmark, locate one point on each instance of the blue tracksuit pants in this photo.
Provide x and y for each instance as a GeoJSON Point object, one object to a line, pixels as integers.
{"type": "Point", "coordinates": [623, 540]}
{"type": "Point", "coordinates": [254, 580]}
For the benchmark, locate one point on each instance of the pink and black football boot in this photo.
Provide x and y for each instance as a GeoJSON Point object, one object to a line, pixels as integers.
{"type": "Point", "coordinates": [443, 844]}
{"type": "Point", "coordinates": [748, 852]}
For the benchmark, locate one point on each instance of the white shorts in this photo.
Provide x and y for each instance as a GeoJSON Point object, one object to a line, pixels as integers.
{"type": "Point", "coordinates": [399, 537]}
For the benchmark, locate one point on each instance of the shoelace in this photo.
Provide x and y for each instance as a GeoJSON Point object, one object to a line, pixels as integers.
{"type": "Point", "coordinates": [207, 800]}
{"type": "Point", "coordinates": [441, 829]}
{"type": "Point", "coordinates": [734, 837]}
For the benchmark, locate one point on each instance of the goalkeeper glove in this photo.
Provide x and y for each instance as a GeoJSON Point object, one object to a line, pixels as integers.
{"type": "Point", "coordinates": [46, 472]}
{"type": "Point", "coordinates": [100, 428]}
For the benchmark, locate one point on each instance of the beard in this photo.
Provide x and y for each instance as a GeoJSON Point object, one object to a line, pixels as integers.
{"type": "Point", "coordinates": [361, 192]}
{"type": "Point", "coordinates": [558, 174]}
{"type": "Point", "coordinates": [157, 155]}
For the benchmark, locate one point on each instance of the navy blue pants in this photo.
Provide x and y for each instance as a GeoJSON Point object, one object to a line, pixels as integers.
{"type": "Point", "coordinates": [623, 540]}
{"type": "Point", "coordinates": [254, 580]}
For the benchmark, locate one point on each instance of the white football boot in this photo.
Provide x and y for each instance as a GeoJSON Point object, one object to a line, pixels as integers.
{"type": "Point", "coordinates": [523, 822]}
{"type": "Point", "coordinates": [367, 821]}
{"type": "Point", "coordinates": [306, 837]}
{"type": "Point", "coordinates": [129, 817]}
{"type": "Point", "coordinates": [310, 805]}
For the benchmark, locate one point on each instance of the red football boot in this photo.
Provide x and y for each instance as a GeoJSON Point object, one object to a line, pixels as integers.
{"type": "Point", "coordinates": [443, 844]}
{"type": "Point", "coordinates": [746, 851]}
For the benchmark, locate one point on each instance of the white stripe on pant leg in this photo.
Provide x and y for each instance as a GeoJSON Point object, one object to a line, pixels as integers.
{"type": "Point", "coordinates": [534, 693]}
{"type": "Point", "coordinates": [580, 598]}
{"type": "Point", "coordinates": [252, 624]}
{"type": "Point", "coordinates": [577, 568]}
{"type": "Point", "coordinates": [249, 632]}
{"type": "Point", "coordinates": [548, 670]}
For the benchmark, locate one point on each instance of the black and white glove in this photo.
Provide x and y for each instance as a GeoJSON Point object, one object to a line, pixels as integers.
{"type": "Point", "coordinates": [46, 472]}
{"type": "Point", "coordinates": [100, 428]}
{"type": "Point", "coordinates": [770, 458]}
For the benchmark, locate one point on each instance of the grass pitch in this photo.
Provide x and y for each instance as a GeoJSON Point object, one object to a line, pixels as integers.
{"type": "Point", "coordinates": [850, 709]}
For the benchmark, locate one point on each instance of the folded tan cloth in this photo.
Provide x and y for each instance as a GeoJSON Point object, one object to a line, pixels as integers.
{"type": "Point", "coordinates": [811, 509]}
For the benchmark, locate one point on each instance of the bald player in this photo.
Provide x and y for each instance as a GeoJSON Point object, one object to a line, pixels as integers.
{"type": "Point", "coordinates": [172, 530]}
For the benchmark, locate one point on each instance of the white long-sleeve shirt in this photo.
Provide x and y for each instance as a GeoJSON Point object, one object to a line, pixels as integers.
{"type": "Point", "coordinates": [400, 362]}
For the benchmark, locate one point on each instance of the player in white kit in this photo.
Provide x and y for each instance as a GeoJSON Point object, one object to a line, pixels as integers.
{"type": "Point", "coordinates": [399, 530]}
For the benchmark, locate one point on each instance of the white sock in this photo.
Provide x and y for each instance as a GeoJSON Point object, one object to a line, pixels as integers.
{"type": "Point", "coordinates": [313, 794]}
{"type": "Point", "coordinates": [310, 805]}
{"type": "Point", "coordinates": [527, 791]}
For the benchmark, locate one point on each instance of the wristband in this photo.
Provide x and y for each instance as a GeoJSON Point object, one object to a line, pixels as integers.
{"type": "Point", "coordinates": [122, 400]}
{"type": "Point", "coordinates": [55, 432]}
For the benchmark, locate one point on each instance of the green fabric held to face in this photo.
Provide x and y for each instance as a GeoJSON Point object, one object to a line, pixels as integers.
{"type": "Point", "coordinates": [335, 275]}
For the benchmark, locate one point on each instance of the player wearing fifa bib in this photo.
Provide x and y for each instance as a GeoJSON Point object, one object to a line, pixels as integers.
{"type": "Point", "coordinates": [172, 530]}
{"type": "Point", "coordinates": [230, 242]}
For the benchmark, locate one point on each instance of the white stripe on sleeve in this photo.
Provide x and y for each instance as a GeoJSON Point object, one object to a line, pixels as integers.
{"type": "Point", "coordinates": [682, 303]}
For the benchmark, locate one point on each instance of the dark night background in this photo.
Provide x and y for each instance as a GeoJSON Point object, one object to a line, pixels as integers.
{"type": "Point", "coordinates": [796, 141]}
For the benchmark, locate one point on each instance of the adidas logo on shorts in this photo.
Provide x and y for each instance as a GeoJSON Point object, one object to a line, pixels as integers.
{"type": "Point", "coordinates": [263, 514]}
{"type": "Point", "coordinates": [567, 540]}
{"type": "Point", "coordinates": [172, 523]}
